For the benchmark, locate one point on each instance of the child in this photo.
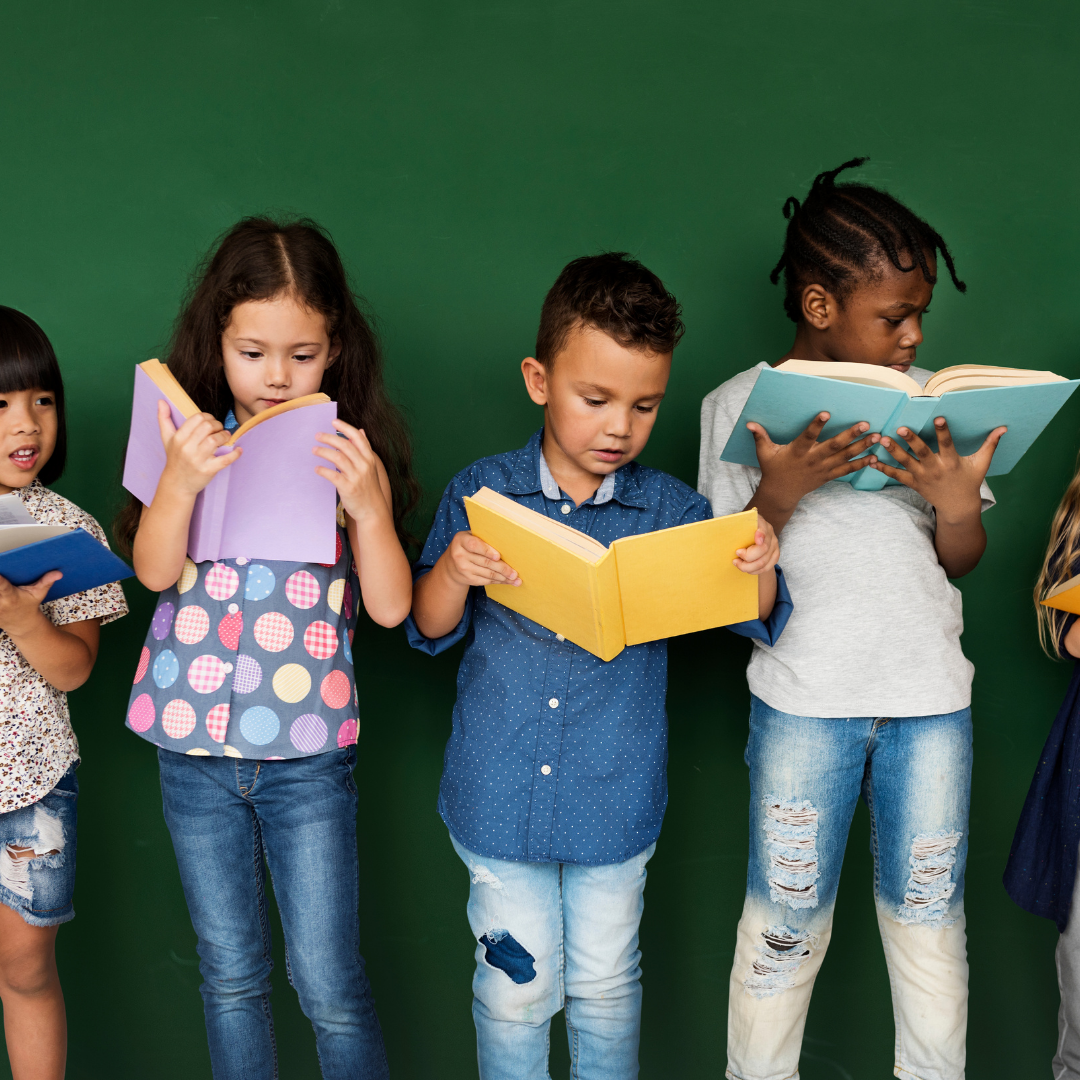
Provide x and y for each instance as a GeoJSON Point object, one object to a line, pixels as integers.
{"type": "Point", "coordinates": [272, 318]}
{"type": "Point", "coordinates": [45, 650]}
{"type": "Point", "coordinates": [868, 692]}
{"type": "Point", "coordinates": [554, 782]}
{"type": "Point", "coordinates": [1041, 873]}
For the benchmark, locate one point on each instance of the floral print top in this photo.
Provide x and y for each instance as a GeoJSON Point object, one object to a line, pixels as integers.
{"type": "Point", "coordinates": [37, 745]}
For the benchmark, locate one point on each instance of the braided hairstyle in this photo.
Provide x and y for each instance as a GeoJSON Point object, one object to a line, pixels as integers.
{"type": "Point", "coordinates": [838, 235]}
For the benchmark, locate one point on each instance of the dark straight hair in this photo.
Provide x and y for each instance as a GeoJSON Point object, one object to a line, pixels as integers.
{"type": "Point", "coordinates": [28, 362]}
{"type": "Point", "coordinates": [260, 258]}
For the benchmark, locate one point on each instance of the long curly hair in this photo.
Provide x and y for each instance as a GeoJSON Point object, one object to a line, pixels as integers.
{"type": "Point", "coordinates": [1059, 565]}
{"type": "Point", "coordinates": [260, 258]}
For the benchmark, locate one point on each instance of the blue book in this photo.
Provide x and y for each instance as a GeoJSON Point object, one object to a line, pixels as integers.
{"type": "Point", "coordinates": [84, 561]}
{"type": "Point", "coordinates": [973, 398]}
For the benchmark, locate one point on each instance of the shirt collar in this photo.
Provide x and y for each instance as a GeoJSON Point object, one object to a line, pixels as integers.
{"type": "Point", "coordinates": [229, 423]}
{"type": "Point", "coordinates": [531, 474]}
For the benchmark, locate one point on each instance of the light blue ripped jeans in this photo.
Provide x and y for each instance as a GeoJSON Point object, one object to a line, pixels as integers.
{"type": "Point", "coordinates": [554, 936]}
{"type": "Point", "coordinates": [806, 775]}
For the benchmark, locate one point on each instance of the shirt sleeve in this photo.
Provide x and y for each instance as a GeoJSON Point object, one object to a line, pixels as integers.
{"type": "Point", "coordinates": [450, 518]}
{"type": "Point", "coordinates": [105, 602]}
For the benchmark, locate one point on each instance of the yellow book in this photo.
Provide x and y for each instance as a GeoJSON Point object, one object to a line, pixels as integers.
{"type": "Point", "coordinates": [1066, 597]}
{"type": "Point", "coordinates": [645, 587]}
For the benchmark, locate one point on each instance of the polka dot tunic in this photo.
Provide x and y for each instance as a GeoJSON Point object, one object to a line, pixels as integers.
{"type": "Point", "coordinates": [555, 755]}
{"type": "Point", "coordinates": [251, 658]}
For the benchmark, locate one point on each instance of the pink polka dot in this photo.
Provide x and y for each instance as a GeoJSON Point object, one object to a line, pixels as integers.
{"type": "Point", "coordinates": [273, 631]}
{"type": "Point", "coordinates": [335, 689]}
{"type": "Point", "coordinates": [320, 640]}
{"type": "Point", "coordinates": [144, 663]}
{"type": "Point", "coordinates": [206, 673]}
{"type": "Point", "coordinates": [217, 722]}
{"type": "Point", "coordinates": [230, 628]}
{"type": "Point", "coordinates": [221, 581]}
{"type": "Point", "coordinates": [302, 589]}
{"type": "Point", "coordinates": [192, 624]}
{"type": "Point", "coordinates": [141, 713]}
{"type": "Point", "coordinates": [347, 733]}
{"type": "Point", "coordinates": [178, 719]}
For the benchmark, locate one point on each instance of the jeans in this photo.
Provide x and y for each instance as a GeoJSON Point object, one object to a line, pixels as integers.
{"type": "Point", "coordinates": [806, 775]}
{"type": "Point", "coordinates": [226, 815]}
{"type": "Point", "coordinates": [1066, 1065]}
{"type": "Point", "coordinates": [554, 936]}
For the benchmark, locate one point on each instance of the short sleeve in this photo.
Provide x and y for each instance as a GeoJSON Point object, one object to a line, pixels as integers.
{"type": "Point", "coordinates": [727, 486]}
{"type": "Point", "coordinates": [450, 518]}
{"type": "Point", "coordinates": [106, 602]}
{"type": "Point", "coordinates": [768, 631]}
{"type": "Point", "coordinates": [987, 497]}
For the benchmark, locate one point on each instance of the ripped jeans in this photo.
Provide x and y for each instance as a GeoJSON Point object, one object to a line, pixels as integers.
{"type": "Point", "coordinates": [554, 936]}
{"type": "Point", "coordinates": [806, 775]}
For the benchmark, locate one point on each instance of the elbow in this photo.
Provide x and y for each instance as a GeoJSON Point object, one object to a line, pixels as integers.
{"type": "Point", "coordinates": [72, 680]}
{"type": "Point", "coordinates": [391, 615]}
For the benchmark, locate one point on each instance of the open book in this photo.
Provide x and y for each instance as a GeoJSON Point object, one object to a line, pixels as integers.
{"type": "Point", "coordinates": [645, 587]}
{"type": "Point", "coordinates": [1064, 597]}
{"type": "Point", "coordinates": [29, 549]}
{"type": "Point", "coordinates": [270, 503]}
{"type": "Point", "coordinates": [973, 398]}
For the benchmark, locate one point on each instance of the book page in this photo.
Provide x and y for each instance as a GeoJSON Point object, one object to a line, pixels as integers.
{"type": "Point", "coordinates": [165, 381]}
{"type": "Point", "coordinates": [275, 410]}
{"type": "Point", "coordinates": [556, 531]}
{"type": "Point", "coordinates": [978, 376]}
{"type": "Point", "coordinates": [681, 580]}
{"type": "Point", "coordinates": [868, 374]}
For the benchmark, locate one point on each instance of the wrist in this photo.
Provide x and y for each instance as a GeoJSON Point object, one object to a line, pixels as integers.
{"type": "Point", "coordinates": [959, 514]}
{"type": "Point", "coordinates": [24, 625]}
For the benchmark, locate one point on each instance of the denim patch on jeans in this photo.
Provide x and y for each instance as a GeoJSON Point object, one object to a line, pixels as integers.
{"type": "Point", "coordinates": [806, 775]}
{"type": "Point", "coordinates": [40, 888]}
{"type": "Point", "coordinates": [226, 815]}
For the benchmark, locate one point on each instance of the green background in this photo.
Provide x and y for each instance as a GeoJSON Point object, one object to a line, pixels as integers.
{"type": "Point", "coordinates": [461, 153]}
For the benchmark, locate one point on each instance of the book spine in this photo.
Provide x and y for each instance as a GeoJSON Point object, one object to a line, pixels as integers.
{"type": "Point", "coordinates": [607, 605]}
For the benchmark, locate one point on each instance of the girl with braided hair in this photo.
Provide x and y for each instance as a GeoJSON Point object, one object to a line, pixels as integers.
{"type": "Point", "coordinates": [829, 722]}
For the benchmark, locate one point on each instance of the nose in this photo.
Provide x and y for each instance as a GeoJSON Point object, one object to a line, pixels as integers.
{"type": "Point", "coordinates": [277, 372]}
{"type": "Point", "coordinates": [22, 418]}
{"type": "Point", "coordinates": [620, 423]}
{"type": "Point", "coordinates": [913, 335]}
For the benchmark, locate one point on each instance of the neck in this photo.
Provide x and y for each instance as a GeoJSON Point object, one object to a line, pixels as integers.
{"type": "Point", "coordinates": [577, 482]}
{"type": "Point", "coordinates": [807, 346]}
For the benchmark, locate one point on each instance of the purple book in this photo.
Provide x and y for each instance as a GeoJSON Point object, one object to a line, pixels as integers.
{"type": "Point", "coordinates": [270, 504]}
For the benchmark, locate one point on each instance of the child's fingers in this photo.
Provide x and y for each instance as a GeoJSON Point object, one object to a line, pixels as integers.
{"type": "Point", "coordinates": [843, 441]}
{"type": "Point", "coordinates": [216, 464]}
{"type": "Point", "coordinates": [851, 466]}
{"type": "Point", "coordinates": [165, 424]}
{"type": "Point", "coordinates": [901, 475]}
{"type": "Point", "coordinates": [761, 436]}
{"type": "Point", "coordinates": [900, 453]}
{"type": "Point", "coordinates": [944, 437]}
{"type": "Point", "coordinates": [38, 589]}
{"type": "Point", "coordinates": [985, 452]}
{"type": "Point", "coordinates": [916, 447]}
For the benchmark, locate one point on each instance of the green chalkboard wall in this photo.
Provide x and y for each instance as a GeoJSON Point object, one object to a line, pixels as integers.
{"type": "Point", "coordinates": [461, 151]}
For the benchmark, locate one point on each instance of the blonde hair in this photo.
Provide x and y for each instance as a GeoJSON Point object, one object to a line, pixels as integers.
{"type": "Point", "coordinates": [1058, 566]}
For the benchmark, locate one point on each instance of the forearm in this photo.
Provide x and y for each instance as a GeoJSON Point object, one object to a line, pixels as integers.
{"type": "Point", "coordinates": [385, 578]}
{"type": "Point", "coordinates": [960, 541]}
{"type": "Point", "coordinates": [766, 593]}
{"type": "Point", "coordinates": [438, 601]}
{"type": "Point", "coordinates": [59, 656]}
{"type": "Point", "coordinates": [161, 542]}
{"type": "Point", "coordinates": [774, 505]}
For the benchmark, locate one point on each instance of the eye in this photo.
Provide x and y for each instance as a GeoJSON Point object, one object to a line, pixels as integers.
{"type": "Point", "coordinates": [895, 323]}
{"type": "Point", "coordinates": [3, 403]}
{"type": "Point", "coordinates": [301, 357]}
{"type": "Point", "coordinates": [45, 399]}
{"type": "Point", "coordinates": [594, 403]}
{"type": "Point", "coordinates": [250, 354]}
{"type": "Point", "coordinates": [645, 408]}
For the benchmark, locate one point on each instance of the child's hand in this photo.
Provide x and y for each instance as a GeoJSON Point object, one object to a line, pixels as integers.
{"type": "Point", "coordinates": [763, 555]}
{"type": "Point", "coordinates": [20, 605]}
{"type": "Point", "coordinates": [355, 473]}
{"type": "Point", "coordinates": [469, 561]}
{"type": "Point", "coordinates": [949, 482]}
{"type": "Point", "coordinates": [791, 470]}
{"type": "Point", "coordinates": [189, 450]}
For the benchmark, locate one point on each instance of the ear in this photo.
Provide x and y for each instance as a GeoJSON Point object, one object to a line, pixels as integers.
{"type": "Point", "coordinates": [335, 351]}
{"type": "Point", "coordinates": [818, 307]}
{"type": "Point", "coordinates": [536, 379]}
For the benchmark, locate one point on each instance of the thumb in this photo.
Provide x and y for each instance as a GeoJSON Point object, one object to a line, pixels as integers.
{"type": "Point", "coordinates": [986, 451]}
{"type": "Point", "coordinates": [165, 423]}
{"type": "Point", "coordinates": [761, 436]}
{"type": "Point", "coordinates": [40, 588]}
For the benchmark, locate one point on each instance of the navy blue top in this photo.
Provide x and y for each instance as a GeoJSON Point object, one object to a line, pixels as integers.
{"type": "Point", "coordinates": [1042, 864]}
{"type": "Point", "coordinates": [556, 755]}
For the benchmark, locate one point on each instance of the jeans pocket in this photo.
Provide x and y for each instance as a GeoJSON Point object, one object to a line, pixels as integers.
{"type": "Point", "coordinates": [349, 761]}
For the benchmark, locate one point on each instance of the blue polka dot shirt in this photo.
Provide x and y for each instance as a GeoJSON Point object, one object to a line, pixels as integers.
{"type": "Point", "coordinates": [555, 755]}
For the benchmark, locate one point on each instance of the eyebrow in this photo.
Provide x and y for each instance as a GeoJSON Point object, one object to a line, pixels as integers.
{"type": "Point", "coordinates": [903, 304]}
{"type": "Point", "coordinates": [603, 391]}
{"type": "Point", "coordinates": [262, 344]}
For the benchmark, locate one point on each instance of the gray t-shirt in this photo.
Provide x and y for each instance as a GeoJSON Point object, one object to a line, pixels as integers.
{"type": "Point", "coordinates": [876, 626]}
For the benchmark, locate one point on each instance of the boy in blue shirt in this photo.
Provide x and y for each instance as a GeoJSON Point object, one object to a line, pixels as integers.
{"type": "Point", "coordinates": [554, 784]}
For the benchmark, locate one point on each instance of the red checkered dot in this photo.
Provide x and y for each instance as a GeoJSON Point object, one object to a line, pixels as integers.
{"type": "Point", "coordinates": [273, 631]}
{"type": "Point", "coordinates": [217, 722]}
{"type": "Point", "coordinates": [178, 719]}
{"type": "Point", "coordinates": [302, 589]}
{"type": "Point", "coordinates": [320, 640]}
{"type": "Point", "coordinates": [221, 581]}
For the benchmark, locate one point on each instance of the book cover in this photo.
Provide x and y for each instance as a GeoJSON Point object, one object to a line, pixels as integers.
{"type": "Point", "coordinates": [642, 588]}
{"type": "Point", "coordinates": [784, 403]}
{"type": "Point", "coordinates": [84, 561]}
{"type": "Point", "coordinates": [269, 504]}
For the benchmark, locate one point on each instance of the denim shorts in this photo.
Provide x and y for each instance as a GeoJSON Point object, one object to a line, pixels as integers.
{"type": "Point", "coordinates": [40, 888]}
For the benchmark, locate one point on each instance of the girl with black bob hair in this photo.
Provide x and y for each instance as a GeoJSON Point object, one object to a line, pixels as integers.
{"type": "Point", "coordinates": [46, 649]}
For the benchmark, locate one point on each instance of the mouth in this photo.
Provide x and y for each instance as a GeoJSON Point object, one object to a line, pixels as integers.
{"type": "Point", "coordinates": [270, 402]}
{"type": "Point", "coordinates": [902, 367]}
{"type": "Point", "coordinates": [610, 455]}
{"type": "Point", "coordinates": [25, 457]}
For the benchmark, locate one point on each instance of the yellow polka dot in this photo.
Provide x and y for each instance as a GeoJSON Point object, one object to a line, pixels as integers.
{"type": "Point", "coordinates": [188, 576]}
{"type": "Point", "coordinates": [292, 683]}
{"type": "Point", "coordinates": [334, 592]}
{"type": "Point", "coordinates": [197, 751]}
{"type": "Point", "coordinates": [231, 751]}
{"type": "Point", "coordinates": [341, 515]}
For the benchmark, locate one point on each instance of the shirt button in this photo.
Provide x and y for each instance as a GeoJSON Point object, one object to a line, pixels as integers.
{"type": "Point", "coordinates": [545, 769]}
{"type": "Point", "coordinates": [559, 637]}
{"type": "Point", "coordinates": [565, 508]}
{"type": "Point", "coordinates": [554, 702]}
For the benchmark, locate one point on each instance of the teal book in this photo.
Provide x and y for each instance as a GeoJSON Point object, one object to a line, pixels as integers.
{"type": "Point", "coordinates": [973, 398]}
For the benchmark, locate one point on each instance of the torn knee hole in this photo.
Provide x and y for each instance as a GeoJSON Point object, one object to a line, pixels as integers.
{"type": "Point", "coordinates": [930, 884]}
{"type": "Point", "coordinates": [504, 952]}
{"type": "Point", "coordinates": [781, 952]}
{"type": "Point", "coordinates": [791, 842]}
{"type": "Point", "coordinates": [44, 842]}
